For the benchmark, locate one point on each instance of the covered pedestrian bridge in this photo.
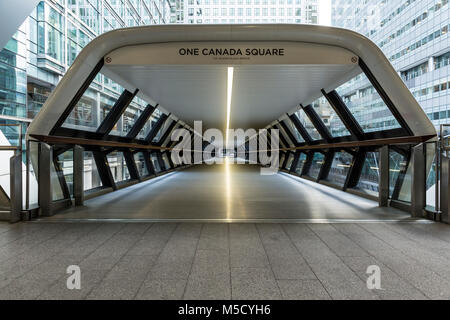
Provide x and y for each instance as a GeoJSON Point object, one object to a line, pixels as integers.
{"type": "Point", "coordinates": [353, 142]}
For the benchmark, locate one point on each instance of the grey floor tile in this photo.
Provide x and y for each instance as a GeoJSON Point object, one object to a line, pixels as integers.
{"type": "Point", "coordinates": [302, 290]}
{"type": "Point", "coordinates": [254, 283]}
{"type": "Point", "coordinates": [161, 289]}
{"type": "Point", "coordinates": [208, 288]}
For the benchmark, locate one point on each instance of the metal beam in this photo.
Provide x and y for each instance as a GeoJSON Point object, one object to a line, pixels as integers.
{"type": "Point", "coordinates": [300, 128]}
{"type": "Point", "coordinates": [344, 114]}
{"type": "Point", "coordinates": [365, 143]}
{"type": "Point", "coordinates": [166, 133]}
{"type": "Point", "coordinates": [289, 132]}
{"type": "Point", "coordinates": [45, 180]}
{"type": "Point", "coordinates": [326, 166]}
{"type": "Point", "coordinates": [354, 174]}
{"type": "Point", "coordinates": [387, 101]}
{"type": "Point", "coordinates": [15, 164]}
{"type": "Point", "coordinates": [418, 181]}
{"type": "Point", "coordinates": [148, 163]}
{"type": "Point", "coordinates": [317, 122]}
{"type": "Point", "coordinates": [308, 163]}
{"type": "Point", "coordinates": [131, 165]}
{"type": "Point", "coordinates": [78, 175]}
{"type": "Point", "coordinates": [77, 96]}
{"type": "Point", "coordinates": [104, 171]}
{"type": "Point", "coordinates": [295, 162]}
{"type": "Point", "coordinates": [156, 127]}
{"type": "Point", "coordinates": [116, 112]}
{"type": "Point", "coordinates": [161, 162]}
{"type": "Point", "coordinates": [383, 184]}
{"type": "Point", "coordinates": [141, 121]}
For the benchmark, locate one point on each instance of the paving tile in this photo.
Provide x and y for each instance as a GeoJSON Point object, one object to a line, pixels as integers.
{"type": "Point", "coordinates": [285, 260]}
{"type": "Point", "coordinates": [208, 288]}
{"type": "Point", "coordinates": [161, 289]}
{"type": "Point", "coordinates": [254, 283]}
{"type": "Point", "coordinates": [302, 290]}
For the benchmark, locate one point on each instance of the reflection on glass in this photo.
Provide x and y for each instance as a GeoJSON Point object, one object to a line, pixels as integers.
{"type": "Point", "coordinates": [65, 161]}
{"type": "Point", "coordinates": [140, 164]}
{"type": "Point", "coordinates": [149, 124]}
{"type": "Point", "coordinates": [342, 162]}
{"type": "Point", "coordinates": [316, 165]}
{"type": "Point", "coordinates": [301, 163]}
{"type": "Point", "coordinates": [289, 162]}
{"type": "Point", "coordinates": [432, 175]}
{"type": "Point", "coordinates": [294, 130]}
{"type": "Point", "coordinates": [118, 166]}
{"type": "Point", "coordinates": [366, 105]}
{"type": "Point", "coordinates": [91, 177]}
{"type": "Point", "coordinates": [368, 182]}
{"type": "Point", "coordinates": [399, 173]}
{"type": "Point", "coordinates": [330, 118]}
{"type": "Point", "coordinates": [155, 161]}
{"type": "Point", "coordinates": [306, 122]}
{"type": "Point", "coordinates": [94, 105]}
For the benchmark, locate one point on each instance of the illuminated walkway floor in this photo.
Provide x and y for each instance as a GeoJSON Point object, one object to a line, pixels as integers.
{"type": "Point", "coordinates": [223, 261]}
{"type": "Point", "coordinates": [229, 192]}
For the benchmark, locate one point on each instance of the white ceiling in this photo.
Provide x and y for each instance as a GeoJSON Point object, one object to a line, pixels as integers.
{"type": "Point", "coordinates": [261, 93]}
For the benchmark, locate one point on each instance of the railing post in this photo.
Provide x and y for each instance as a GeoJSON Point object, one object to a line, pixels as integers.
{"type": "Point", "coordinates": [383, 185]}
{"type": "Point", "coordinates": [78, 175]}
{"type": "Point", "coordinates": [445, 188]}
{"type": "Point", "coordinates": [16, 186]}
{"type": "Point", "coordinates": [418, 192]}
{"type": "Point", "coordinates": [45, 180]}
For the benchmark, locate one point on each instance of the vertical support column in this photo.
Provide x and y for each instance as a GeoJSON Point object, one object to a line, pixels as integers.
{"type": "Point", "coordinates": [445, 188]}
{"type": "Point", "coordinates": [45, 179]}
{"type": "Point", "coordinates": [383, 184]}
{"type": "Point", "coordinates": [16, 186]}
{"type": "Point", "coordinates": [78, 175]}
{"type": "Point", "coordinates": [418, 192]}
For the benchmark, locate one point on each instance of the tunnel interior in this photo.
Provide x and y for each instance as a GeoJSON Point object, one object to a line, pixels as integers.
{"type": "Point", "coordinates": [339, 138]}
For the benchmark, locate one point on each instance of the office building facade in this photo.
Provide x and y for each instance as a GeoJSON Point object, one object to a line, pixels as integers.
{"type": "Point", "coordinates": [47, 43]}
{"type": "Point", "coordinates": [245, 11]}
{"type": "Point", "coordinates": [414, 35]}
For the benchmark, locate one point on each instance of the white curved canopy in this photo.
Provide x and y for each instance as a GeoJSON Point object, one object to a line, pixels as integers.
{"type": "Point", "coordinates": [183, 69]}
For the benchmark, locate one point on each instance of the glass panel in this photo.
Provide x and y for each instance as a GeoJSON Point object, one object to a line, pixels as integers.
{"type": "Point", "coordinates": [57, 193]}
{"type": "Point", "coordinates": [301, 163]}
{"type": "Point", "coordinates": [342, 162]}
{"type": "Point", "coordinates": [283, 156]}
{"type": "Point", "coordinates": [294, 130]}
{"type": "Point", "coordinates": [397, 167]}
{"type": "Point", "coordinates": [368, 182]}
{"type": "Point", "coordinates": [289, 162]}
{"type": "Point", "coordinates": [432, 173]}
{"type": "Point", "coordinates": [91, 177]}
{"type": "Point", "coordinates": [65, 161]}
{"type": "Point", "coordinates": [166, 161]}
{"type": "Point", "coordinates": [94, 105]}
{"type": "Point", "coordinates": [118, 167]}
{"type": "Point", "coordinates": [128, 118]}
{"type": "Point", "coordinates": [140, 164]}
{"type": "Point", "coordinates": [366, 105]}
{"type": "Point", "coordinates": [304, 120]}
{"type": "Point", "coordinates": [161, 131]}
{"type": "Point", "coordinates": [317, 163]}
{"type": "Point", "coordinates": [149, 124]}
{"type": "Point", "coordinates": [155, 161]}
{"type": "Point", "coordinates": [330, 118]}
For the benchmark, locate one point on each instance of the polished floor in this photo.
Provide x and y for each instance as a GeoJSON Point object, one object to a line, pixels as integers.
{"type": "Point", "coordinates": [224, 261]}
{"type": "Point", "coordinates": [229, 192]}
